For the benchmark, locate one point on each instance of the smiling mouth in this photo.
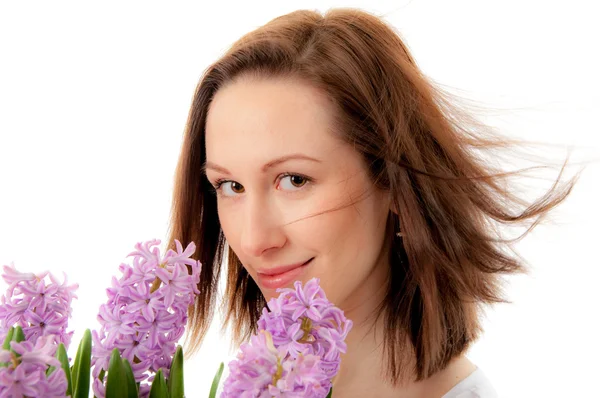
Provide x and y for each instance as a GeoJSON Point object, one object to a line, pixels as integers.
{"type": "Point", "coordinates": [282, 269]}
{"type": "Point", "coordinates": [284, 278]}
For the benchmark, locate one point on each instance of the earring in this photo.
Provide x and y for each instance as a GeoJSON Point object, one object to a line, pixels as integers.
{"type": "Point", "coordinates": [399, 234]}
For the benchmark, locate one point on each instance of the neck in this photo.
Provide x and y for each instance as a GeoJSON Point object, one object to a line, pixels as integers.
{"type": "Point", "coordinates": [361, 372]}
{"type": "Point", "coordinates": [364, 367]}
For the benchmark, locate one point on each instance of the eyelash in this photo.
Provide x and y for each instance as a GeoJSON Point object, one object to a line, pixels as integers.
{"type": "Point", "coordinates": [220, 181]}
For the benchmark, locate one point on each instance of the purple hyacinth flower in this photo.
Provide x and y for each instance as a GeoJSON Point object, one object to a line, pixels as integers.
{"type": "Point", "coordinates": [297, 350]}
{"type": "Point", "coordinates": [25, 373]}
{"type": "Point", "coordinates": [146, 311]}
{"type": "Point", "coordinates": [39, 306]}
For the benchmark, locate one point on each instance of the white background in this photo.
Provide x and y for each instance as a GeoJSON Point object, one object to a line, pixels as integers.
{"type": "Point", "coordinates": [93, 102]}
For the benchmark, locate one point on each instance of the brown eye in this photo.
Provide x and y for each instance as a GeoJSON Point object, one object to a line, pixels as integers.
{"type": "Point", "coordinates": [229, 188]}
{"type": "Point", "coordinates": [237, 187]}
{"type": "Point", "coordinates": [297, 181]}
{"type": "Point", "coordinates": [292, 182]}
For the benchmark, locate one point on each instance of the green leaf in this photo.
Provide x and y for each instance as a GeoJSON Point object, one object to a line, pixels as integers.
{"type": "Point", "coordinates": [132, 388]}
{"type": "Point", "coordinates": [116, 381]}
{"type": "Point", "coordinates": [81, 367]}
{"type": "Point", "coordinates": [215, 383]}
{"type": "Point", "coordinates": [17, 336]}
{"type": "Point", "coordinates": [159, 386]}
{"type": "Point", "coordinates": [61, 354]}
{"type": "Point", "coordinates": [330, 393]}
{"type": "Point", "coordinates": [6, 345]}
{"type": "Point", "coordinates": [9, 336]}
{"type": "Point", "coordinates": [75, 367]}
{"type": "Point", "coordinates": [175, 382]}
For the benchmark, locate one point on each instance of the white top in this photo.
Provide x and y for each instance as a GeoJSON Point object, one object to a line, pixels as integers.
{"type": "Point", "coordinates": [476, 385]}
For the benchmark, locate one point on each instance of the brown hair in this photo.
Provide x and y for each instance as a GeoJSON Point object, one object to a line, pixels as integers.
{"type": "Point", "coordinates": [417, 144]}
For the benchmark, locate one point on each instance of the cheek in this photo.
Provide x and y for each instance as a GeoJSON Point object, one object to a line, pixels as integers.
{"type": "Point", "coordinates": [348, 242]}
{"type": "Point", "coordinates": [227, 220]}
{"type": "Point", "coordinates": [339, 223]}
{"type": "Point", "coordinates": [321, 225]}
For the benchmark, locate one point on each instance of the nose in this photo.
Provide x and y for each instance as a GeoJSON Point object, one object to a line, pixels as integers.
{"type": "Point", "coordinates": [262, 228]}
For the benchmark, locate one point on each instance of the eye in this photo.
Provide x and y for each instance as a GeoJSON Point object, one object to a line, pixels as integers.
{"type": "Point", "coordinates": [292, 182]}
{"type": "Point", "coordinates": [229, 188]}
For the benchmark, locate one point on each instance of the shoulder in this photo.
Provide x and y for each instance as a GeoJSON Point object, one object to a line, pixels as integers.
{"type": "Point", "coordinates": [476, 385]}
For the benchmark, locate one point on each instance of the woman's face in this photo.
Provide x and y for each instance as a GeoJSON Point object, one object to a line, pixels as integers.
{"type": "Point", "coordinates": [291, 193]}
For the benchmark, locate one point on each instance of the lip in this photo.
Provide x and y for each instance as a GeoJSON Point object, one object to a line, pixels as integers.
{"type": "Point", "coordinates": [281, 276]}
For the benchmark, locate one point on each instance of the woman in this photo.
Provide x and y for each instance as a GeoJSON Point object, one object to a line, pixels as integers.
{"type": "Point", "coordinates": [316, 148]}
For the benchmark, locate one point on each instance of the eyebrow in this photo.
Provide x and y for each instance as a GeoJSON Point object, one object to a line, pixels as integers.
{"type": "Point", "coordinates": [267, 166]}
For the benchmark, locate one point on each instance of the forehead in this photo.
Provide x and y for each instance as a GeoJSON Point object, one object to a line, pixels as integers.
{"type": "Point", "coordinates": [268, 117]}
